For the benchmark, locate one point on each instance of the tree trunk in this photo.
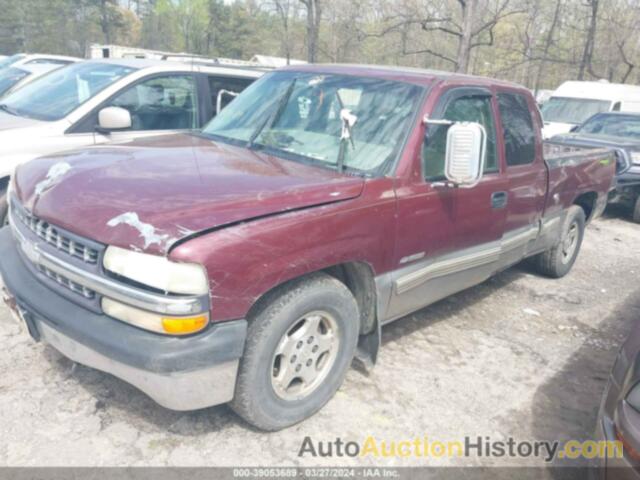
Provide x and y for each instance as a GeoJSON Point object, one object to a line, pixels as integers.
{"type": "Point", "coordinates": [587, 53]}
{"type": "Point", "coordinates": [314, 13]}
{"type": "Point", "coordinates": [104, 21]}
{"type": "Point", "coordinates": [464, 43]}
{"type": "Point", "coordinates": [547, 45]}
{"type": "Point", "coordinates": [283, 9]}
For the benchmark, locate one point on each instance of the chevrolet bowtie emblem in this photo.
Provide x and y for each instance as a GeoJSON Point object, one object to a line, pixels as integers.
{"type": "Point", "coordinates": [31, 250]}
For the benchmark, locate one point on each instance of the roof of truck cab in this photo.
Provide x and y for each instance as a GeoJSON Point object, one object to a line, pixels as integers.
{"type": "Point", "coordinates": [399, 73]}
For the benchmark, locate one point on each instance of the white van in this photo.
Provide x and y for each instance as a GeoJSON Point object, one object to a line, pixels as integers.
{"type": "Point", "coordinates": [574, 102]}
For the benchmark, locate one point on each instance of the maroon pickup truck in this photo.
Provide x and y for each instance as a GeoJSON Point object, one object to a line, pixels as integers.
{"type": "Point", "coordinates": [250, 263]}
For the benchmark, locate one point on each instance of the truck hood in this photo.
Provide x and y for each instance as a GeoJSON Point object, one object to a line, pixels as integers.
{"type": "Point", "coordinates": [150, 193]}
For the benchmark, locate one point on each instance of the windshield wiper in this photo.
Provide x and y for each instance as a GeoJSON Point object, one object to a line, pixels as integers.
{"type": "Point", "coordinates": [348, 121]}
{"type": "Point", "coordinates": [6, 108]}
{"type": "Point", "coordinates": [271, 119]}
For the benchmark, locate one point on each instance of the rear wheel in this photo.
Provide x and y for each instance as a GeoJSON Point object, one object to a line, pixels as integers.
{"type": "Point", "coordinates": [300, 344]}
{"type": "Point", "coordinates": [558, 260]}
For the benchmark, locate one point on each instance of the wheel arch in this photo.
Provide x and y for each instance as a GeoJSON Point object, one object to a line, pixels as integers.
{"type": "Point", "coordinates": [359, 278]}
{"type": "Point", "coordinates": [588, 202]}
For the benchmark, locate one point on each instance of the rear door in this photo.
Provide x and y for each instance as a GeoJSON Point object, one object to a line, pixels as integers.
{"type": "Point", "coordinates": [525, 170]}
{"type": "Point", "coordinates": [223, 89]}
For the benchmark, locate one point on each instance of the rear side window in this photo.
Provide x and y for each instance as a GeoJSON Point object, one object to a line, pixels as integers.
{"type": "Point", "coordinates": [226, 87]}
{"type": "Point", "coordinates": [519, 134]}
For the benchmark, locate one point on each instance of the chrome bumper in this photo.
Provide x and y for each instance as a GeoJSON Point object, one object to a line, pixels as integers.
{"type": "Point", "coordinates": [179, 373]}
{"type": "Point", "coordinates": [176, 391]}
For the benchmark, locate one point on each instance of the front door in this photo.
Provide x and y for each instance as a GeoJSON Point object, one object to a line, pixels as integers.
{"type": "Point", "coordinates": [449, 238]}
{"type": "Point", "coordinates": [158, 105]}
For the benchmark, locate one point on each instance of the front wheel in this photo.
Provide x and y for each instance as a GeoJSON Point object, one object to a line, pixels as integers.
{"type": "Point", "coordinates": [300, 344]}
{"type": "Point", "coordinates": [558, 260]}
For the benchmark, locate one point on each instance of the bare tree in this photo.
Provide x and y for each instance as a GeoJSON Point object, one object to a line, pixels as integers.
{"type": "Point", "coordinates": [314, 15]}
{"type": "Point", "coordinates": [466, 34]}
{"type": "Point", "coordinates": [547, 45]}
{"type": "Point", "coordinates": [589, 44]}
{"type": "Point", "coordinates": [283, 8]}
{"type": "Point", "coordinates": [471, 28]}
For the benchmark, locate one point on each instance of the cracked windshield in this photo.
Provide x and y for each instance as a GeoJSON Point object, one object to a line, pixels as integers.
{"type": "Point", "coordinates": [337, 121]}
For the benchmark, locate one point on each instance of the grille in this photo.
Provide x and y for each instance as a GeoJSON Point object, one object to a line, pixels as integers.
{"type": "Point", "coordinates": [51, 235]}
{"type": "Point", "coordinates": [69, 284]}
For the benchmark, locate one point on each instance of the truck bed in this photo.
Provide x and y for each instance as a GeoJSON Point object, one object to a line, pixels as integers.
{"type": "Point", "coordinates": [574, 171]}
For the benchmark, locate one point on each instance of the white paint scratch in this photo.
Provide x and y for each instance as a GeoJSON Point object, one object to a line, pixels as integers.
{"type": "Point", "coordinates": [55, 172]}
{"type": "Point", "coordinates": [147, 231]}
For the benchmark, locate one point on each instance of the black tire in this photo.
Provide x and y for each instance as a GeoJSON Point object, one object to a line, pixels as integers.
{"type": "Point", "coordinates": [636, 210]}
{"type": "Point", "coordinates": [256, 400]}
{"type": "Point", "coordinates": [555, 263]}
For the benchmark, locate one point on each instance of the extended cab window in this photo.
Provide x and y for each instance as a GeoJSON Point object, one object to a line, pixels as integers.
{"type": "Point", "coordinates": [161, 103]}
{"type": "Point", "coordinates": [463, 109]}
{"type": "Point", "coordinates": [226, 85]}
{"type": "Point", "coordinates": [519, 134]}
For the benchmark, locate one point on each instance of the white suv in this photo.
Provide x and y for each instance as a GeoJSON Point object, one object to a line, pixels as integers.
{"type": "Point", "coordinates": [99, 101]}
{"type": "Point", "coordinates": [35, 58]}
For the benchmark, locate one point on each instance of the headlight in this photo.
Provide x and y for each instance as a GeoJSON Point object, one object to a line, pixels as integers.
{"type": "Point", "coordinates": [157, 272]}
{"type": "Point", "coordinates": [635, 158]}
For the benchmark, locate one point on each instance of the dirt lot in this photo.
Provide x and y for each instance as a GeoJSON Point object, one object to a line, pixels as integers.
{"type": "Point", "coordinates": [519, 356]}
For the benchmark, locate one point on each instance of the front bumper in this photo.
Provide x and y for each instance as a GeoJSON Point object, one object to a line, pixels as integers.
{"type": "Point", "coordinates": [627, 187]}
{"type": "Point", "coordinates": [179, 373]}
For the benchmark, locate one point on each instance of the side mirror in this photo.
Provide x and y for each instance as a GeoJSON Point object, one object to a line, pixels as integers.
{"type": "Point", "coordinates": [112, 119]}
{"type": "Point", "coordinates": [465, 155]}
{"type": "Point", "coordinates": [575, 128]}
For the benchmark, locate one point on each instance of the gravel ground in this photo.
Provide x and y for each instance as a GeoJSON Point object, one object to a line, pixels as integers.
{"type": "Point", "coordinates": [519, 355]}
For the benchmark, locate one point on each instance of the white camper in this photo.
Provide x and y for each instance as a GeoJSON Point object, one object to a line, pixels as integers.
{"type": "Point", "coordinates": [574, 102]}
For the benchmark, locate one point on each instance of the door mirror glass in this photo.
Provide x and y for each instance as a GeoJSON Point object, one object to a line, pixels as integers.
{"type": "Point", "coordinates": [465, 154]}
{"type": "Point", "coordinates": [113, 119]}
